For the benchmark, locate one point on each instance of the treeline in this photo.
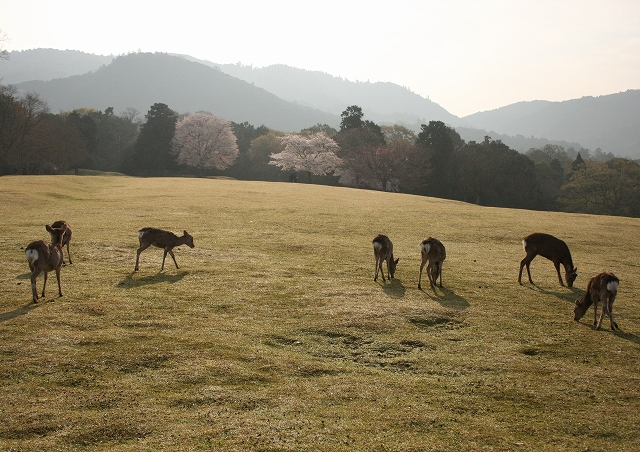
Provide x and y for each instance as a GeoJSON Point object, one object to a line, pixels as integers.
{"type": "Point", "coordinates": [434, 162]}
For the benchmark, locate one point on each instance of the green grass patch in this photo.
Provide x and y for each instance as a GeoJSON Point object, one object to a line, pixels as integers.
{"type": "Point", "coordinates": [273, 336]}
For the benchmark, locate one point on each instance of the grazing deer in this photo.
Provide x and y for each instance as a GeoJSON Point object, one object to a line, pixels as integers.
{"type": "Point", "coordinates": [602, 287]}
{"type": "Point", "coordinates": [161, 239]}
{"type": "Point", "coordinates": [66, 238]}
{"type": "Point", "coordinates": [434, 252]}
{"type": "Point", "coordinates": [45, 257]}
{"type": "Point", "coordinates": [383, 251]}
{"type": "Point", "coordinates": [553, 249]}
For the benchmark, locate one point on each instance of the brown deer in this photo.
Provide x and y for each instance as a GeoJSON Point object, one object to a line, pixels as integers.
{"type": "Point", "coordinates": [433, 251]}
{"type": "Point", "coordinates": [553, 249]}
{"type": "Point", "coordinates": [66, 238]}
{"type": "Point", "coordinates": [383, 251]}
{"type": "Point", "coordinates": [161, 239]}
{"type": "Point", "coordinates": [45, 257]}
{"type": "Point", "coordinates": [602, 287]}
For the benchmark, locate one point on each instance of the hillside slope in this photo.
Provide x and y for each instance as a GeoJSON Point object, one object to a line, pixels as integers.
{"type": "Point", "coordinates": [610, 122]}
{"type": "Point", "coordinates": [47, 64]}
{"type": "Point", "coordinates": [142, 79]}
{"type": "Point", "coordinates": [272, 334]}
{"type": "Point", "coordinates": [380, 101]}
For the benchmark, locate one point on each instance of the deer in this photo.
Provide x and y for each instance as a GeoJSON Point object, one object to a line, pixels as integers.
{"type": "Point", "coordinates": [383, 251]}
{"type": "Point", "coordinates": [161, 239]}
{"type": "Point", "coordinates": [45, 257]}
{"type": "Point", "coordinates": [602, 287]}
{"type": "Point", "coordinates": [553, 249]}
{"type": "Point", "coordinates": [433, 251]}
{"type": "Point", "coordinates": [66, 238]}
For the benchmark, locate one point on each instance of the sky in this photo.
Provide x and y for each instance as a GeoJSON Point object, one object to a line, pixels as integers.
{"type": "Point", "coordinates": [465, 55]}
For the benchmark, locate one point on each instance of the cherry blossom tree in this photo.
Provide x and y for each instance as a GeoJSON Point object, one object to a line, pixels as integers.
{"type": "Point", "coordinates": [316, 155]}
{"type": "Point", "coordinates": [205, 141]}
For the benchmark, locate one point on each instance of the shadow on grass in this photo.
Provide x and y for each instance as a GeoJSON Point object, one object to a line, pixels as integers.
{"type": "Point", "coordinates": [394, 288]}
{"type": "Point", "coordinates": [564, 296]}
{"type": "Point", "coordinates": [605, 328]}
{"type": "Point", "coordinates": [131, 282]}
{"type": "Point", "coordinates": [446, 298]}
{"type": "Point", "coordinates": [20, 311]}
{"type": "Point", "coordinates": [24, 276]}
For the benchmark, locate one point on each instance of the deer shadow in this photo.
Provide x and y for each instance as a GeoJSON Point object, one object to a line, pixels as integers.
{"type": "Point", "coordinates": [446, 298]}
{"type": "Point", "coordinates": [619, 333]}
{"type": "Point", "coordinates": [575, 293]}
{"type": "Point", "coordinates": [394, 288]}
{"type": "Point", "coordinates": [130, 282]}
{"type": "Point", "coordinates": [20, 311]}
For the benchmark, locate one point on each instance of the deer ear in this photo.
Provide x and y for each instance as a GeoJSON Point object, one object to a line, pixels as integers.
{"type": "Point", "coordinates": [185, 232]}
{"type": "Point", "coordinates": [49, 229]}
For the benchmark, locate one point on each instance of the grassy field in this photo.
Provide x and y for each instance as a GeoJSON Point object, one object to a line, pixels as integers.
{"type": "Point", "coordinates": [273, 336]}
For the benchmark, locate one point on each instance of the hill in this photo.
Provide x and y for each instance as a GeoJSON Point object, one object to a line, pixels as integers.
{"type": "Point", "coordinates": [139, 80]}
{"type": "Point", "coordinates": [610, 122]}
{"type": "Point", "coordinates": [301, 98]}
{"type": "Point", "coordinates": [273, 335]}
{"type": "Point", "coordinates": [48, 64]}
{"type": "Point", "coordinates": [382, 102]}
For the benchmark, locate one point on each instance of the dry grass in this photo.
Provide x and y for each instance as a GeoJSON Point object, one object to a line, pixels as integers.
{"type": "Point", "coordinates": [272, 336]}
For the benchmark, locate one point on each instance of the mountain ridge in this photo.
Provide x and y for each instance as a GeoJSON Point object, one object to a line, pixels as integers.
{"type": "Point", "coordinates": [303, 98]}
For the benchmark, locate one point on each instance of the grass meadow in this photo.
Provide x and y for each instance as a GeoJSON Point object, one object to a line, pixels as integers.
{"type": "Point", "coordinates": [273, 336]}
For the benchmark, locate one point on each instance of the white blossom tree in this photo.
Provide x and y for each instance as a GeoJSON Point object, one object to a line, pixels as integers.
{"type": "Point", "coordinates": [316, 155]}
{"type": "Point", "coordinates": [205, 141]}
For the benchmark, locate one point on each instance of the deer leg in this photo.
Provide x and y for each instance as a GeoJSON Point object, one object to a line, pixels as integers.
{"type": "Point", "coordinates": [164, 256]}
{"type": "Point", "coordinates": [173, 257]}
{"type": "Point", "coordinates": [614, 325]}
{"type": "Point", "coordinates": [430, 273]}
{"type": "Point", "coordinates": [595, 314]}
{"type": "Point", "coordinates": [140, 250]}
{"type": "Point", "coordinates": [44, 284]}
{"type": "Point", "coordinates": [68, 254]}
{"type": "Point", "coordinates": [34, 290]}
{"type": "Point", "coordinates": [58, 277]}
{"type": "Point", "coordinates": [602, 314]}
{"type": "Point", "coordinates": [375, 276]}
{"type": "Point", "coordinates": [440, 272]}
{"type": "Point", "coordinates": [525, 262]}
{"type": "Point", "coordinates": [424, 261]}
{"type": "Point", "coordinates": [557, 265]}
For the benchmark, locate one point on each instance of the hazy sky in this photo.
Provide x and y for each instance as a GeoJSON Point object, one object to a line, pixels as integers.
{"type": "Point", "coordinates": [466, 55]}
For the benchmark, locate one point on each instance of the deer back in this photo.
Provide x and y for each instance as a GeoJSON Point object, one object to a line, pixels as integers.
{"type": "Point", "coordinates": [549, 247]}
{"type": "Point", "coordinates": [382, 247]}
{"type": "Point", "coordinates": [433, 250]}
{"type": "Point", "coordinates": [46, 256]}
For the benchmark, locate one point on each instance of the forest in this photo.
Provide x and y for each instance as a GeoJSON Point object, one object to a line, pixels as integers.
{"type": "Point", "coordinates": [362, 154]}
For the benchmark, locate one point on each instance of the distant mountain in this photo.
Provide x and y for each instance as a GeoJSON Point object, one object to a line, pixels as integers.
{"type": "Point", "coordinates": [610, 122]}
{"type": "Point", "coordinates": [290, 99]}
{"type": "Point", "coordinates": [139, 80]}
{"type": "Point", "coordinates": [47, 64]}
{"type": "Point", "coordinates": [381, 102]}
{"type": "Point", "coordinates": [518, 143]}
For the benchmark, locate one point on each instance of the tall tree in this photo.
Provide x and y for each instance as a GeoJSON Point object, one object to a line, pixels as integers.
{"type": "Point", "coordinates": [205, 141]}
{"type": "Point", "coordinates": [359, 141]}
{"type": "Point", "coordinates": [152, 151]}
{"type": "Point", "coordinates": [315, 155]}
{"type": "Point", "coordinates": [351, 118]}
{"type": "Point", "coordinates": [259, 155]}
{"type": "Point", "coordinates": [437, 143]}
{"type": "Point", "coordinates": [245, 133]}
